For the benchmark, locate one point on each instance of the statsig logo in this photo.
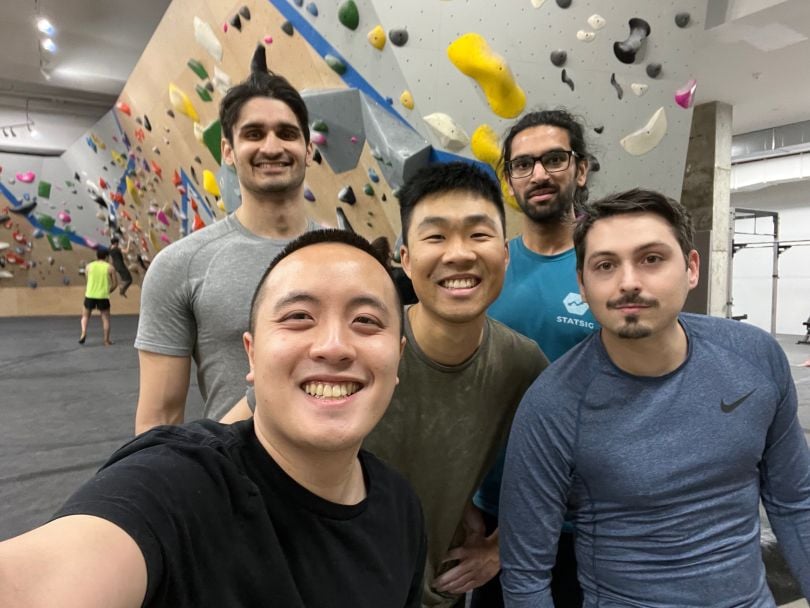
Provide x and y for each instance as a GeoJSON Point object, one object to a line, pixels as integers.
{"type": "Point", "coordinates": [574, 304]}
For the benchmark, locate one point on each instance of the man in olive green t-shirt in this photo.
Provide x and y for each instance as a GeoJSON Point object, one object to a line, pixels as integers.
{"type": "Point", "coordinates": [101, 282]}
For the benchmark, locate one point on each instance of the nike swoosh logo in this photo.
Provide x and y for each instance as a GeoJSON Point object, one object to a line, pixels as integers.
{"type": "Point", "coordinates": [730, 407]}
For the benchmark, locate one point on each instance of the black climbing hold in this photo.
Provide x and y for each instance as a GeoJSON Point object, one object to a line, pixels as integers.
{"type": "Point", "coordinates": [682, 19]}
{"type": "Point", "coordinates": [146, 124]}
{"type": "Point", "coordinates": [563, 3]}
{"type": "Point", "coordinates": [617, 86]}
{"type": "Point", "coordinates": [593, 164]}
{"type": "Point", "coordinates": [346, 195]}
{"type": "Point", "coordinates": [170, 112]}
{"type": "Point", "coordinates": [299, 3]}
{"type": "Point", "coordinates": [398, 37]}
{"type": "Point", "coordinates": [287, 27]}
{"type": "Point", "coordinates": [77, 177]}
{"type": "Point", "coordinates": [653, 70]}
{"type": "Point", "coordinates": [599, 129]}
{"type": "Point", "coordinates": [3, 219]}
{"type": "Point", "coordinates": [209, 86]}
{"type": "Point", "coordinates": [559, 57]}
{"type": "Point", "coordinates": [194, 176]}
{"type": "Point", "coordinates": [316, 156]}
{"type": "Point", "coordinates": [198, 160]}
{"type": "Point", "coordinates": [384, 198]}
{"type": "Point", "coordinates": [627, 49]}
{"type": "Point", "coordinates": [236, 22]}
{"type": "Point", "coordinates": [258, 63]}
{"type": "Point", "coordinates": [567, 80]}
{"type": "Point", "coordinates": [138, 120]}
{"type": "Point", "coordinates": [245, 12]}
{"type": "Point", "coordinates": [24, 209]}
{"type": "Point", "coordinates": [342, 220]}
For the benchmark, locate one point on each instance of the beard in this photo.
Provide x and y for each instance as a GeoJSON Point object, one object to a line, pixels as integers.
{"type": "Point", "coordinates": [632, 329]}
{"type": "Point", "coordinates": [553, 211]}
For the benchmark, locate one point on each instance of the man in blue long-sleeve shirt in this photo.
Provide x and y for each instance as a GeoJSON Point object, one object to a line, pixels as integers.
{"type": "Point", "coordinates": [660, 434]}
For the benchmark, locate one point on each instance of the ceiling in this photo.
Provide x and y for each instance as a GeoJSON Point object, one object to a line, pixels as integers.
{"type": "Point", "coordinates": [753, 56]}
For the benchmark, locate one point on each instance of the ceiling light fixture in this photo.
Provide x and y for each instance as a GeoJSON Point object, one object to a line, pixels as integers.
{"type": "Point", "coordinates": [49, 45]}
{"type": "Point", "coordinates": [45, 26]}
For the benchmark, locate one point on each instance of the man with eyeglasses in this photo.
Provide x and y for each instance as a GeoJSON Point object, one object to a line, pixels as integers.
{"type": "Point", "coordinates": [545, 161]}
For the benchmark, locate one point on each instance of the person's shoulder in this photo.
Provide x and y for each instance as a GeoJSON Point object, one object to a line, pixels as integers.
{"type": "Point", "coordinates": [504, 337]}
{"type": "Point", "coordinates": [196, 241]}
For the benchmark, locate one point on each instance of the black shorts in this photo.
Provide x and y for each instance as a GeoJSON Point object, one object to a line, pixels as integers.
{"type": "Point", "coordinates": [91, 303]}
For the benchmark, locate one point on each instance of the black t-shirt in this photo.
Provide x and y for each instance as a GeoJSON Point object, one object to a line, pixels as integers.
{"type": "Point", "coordinates": [117, 259]}
{"type": "Point", "coordinates": [220, 524]}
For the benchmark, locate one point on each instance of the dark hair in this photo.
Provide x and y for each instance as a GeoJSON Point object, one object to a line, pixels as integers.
{"type": "Point", "coordinates": [102, 253]}
{"type": "Point", "coordinates": [635, 201]}
{"type": "Point", "coordinates": [443, 178]}
{"type": "Point", "coordinates": [261, 84]}
{"type": "Point", "coordinates": [114, 240]}
{"type": "Point", "coordinates": [330, 235]}
{"type": "Point", "coordinates": [562, 119]}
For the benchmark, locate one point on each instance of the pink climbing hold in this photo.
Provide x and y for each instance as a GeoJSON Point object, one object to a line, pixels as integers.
{"type": "Point", "coordinates": [64, 217]}
{"type": "Point", "coordinates": [162, 217]}
{"type": "Point", "coordinates": [165, 239]}
{"type": "Point", "coordinates": [685, 96]}
{"type": "Point", "coordinates": [354, 139]}
{"type": "Point", "coordinates": [806, 363]}
{"type": "Point", "coordinates": [318, 139]}
{"type": "Point", "coordinates": [26, 177]}
{"type": "Point", "coordinates": [268, 40]}
{"type": "Point", "coordinates": [90, 243]}
{"type": "Point", "coordinates": [225, 26]}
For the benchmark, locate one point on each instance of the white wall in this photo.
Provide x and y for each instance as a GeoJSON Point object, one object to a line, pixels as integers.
{"type": "Point", "coordinates": [753, 267]}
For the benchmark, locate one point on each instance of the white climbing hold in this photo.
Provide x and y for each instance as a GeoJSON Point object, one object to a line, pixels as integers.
{"type": "Point", "coordinates": [597, 22]}
{"type": "Point", "coordinates": [206, 38]}
{"type": "Point", "coordinates": [639, 88]}
{"type": "Point", "coordinates": [222, 81]}
{"type": "Point", "coordinates": [647, 137]}
{"type": "Point", "coordinates": [537, 3]}
{"type": "Point", "coordinates": [5, 274]}
{"type": "Point", "coordinates": [585, 36]}
{"type": "Point", "coordinates": [451, 136]}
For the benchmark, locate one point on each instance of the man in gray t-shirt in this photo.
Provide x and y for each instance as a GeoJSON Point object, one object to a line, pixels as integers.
{"type": "Point", "coordinates": [196, 295]}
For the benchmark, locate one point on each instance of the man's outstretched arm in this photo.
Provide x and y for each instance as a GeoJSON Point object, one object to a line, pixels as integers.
{"type": "Point", "coordinates": [162, 391]}
{"type": "Point", "coordinates": [78, 561]}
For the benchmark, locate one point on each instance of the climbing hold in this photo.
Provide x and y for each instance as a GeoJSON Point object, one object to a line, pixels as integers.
{"type": "Point", "coordinates": [316, 156]}
{"type": "Point", "coordinates": [222, 81]}
{"type": "Point", "coordinates": [471, 54]}
{"type": "Point", "coordinates": [653, 70]}
{"type": "Point", "coordinates": [320, 126]}
{"type": "Point", "coordinates": [398, 37]}
{"type": "Point", "coordinates": [639, 88]}
{"type": "Point", "coordinates": [585, 35]}
{"type": "Point", "coordinates": [682, 19]}
{"type": "Point", "coordinates": [559, 57]}
{"type": "Point", "coordinates": [346, 195]}
{"type": "Point", "coordinates": [170, 113]}
{"type": "Point", "coordinates": [203, 92]}
{"type": "Point", "coordinates": [563, 3]}
{"type": "Point", "coordinates": [312, 9]}
{"type": "Point", "coordinates": [197, 68]}
{"type": "Point", "coordinates": [567, 79]}
{"type": "Point", "coordinates": [368, 189]}
{"type": "Point", "coordinates": [450, 135]}
{"type": "Point", "coordinates": [537, 3]}
{"type": "Point", "coordinates": [406, 99]}
{"type": "Point", "coordinates": [161, 216]}
{"type": "Point", "coordinates": [124, 107]}
{"type": "Point", "coordinates": [308, 195]}
{"type": "Point", "coordinates": [44, 189]}
{"type": "Point", "coordinates": [146, 124]}
{"type": "Point", "coordinates": [236, 22]}
{"type": "Point", "coordinates": [225, 27]}
{"type": "Point", "coordinates": [38, 234]}
{"type": "Point", "coordinates": [647, 137]}
{"type": "Point", "coordinates": [372, 175]}
{"type": "Point", "coordinates": [627, 49]}
{"type": "Point", "coordinates": [299, 3]}
{"type": "Point", "coordinates": [210, 183]}
{"type": "Point", "coordinates": [5, 274]}
{"type": "Point", "coordinates": [484, 145]}
{"type": "Point", "coordinates": [64, 217]}
{"type": "Point", "coordinates": [258, 62]}
{"type": "Point", "coordinates": [65, 280]}
{"type": "Point", "coordinates": [376, 37]}
{"type": "Point", "coordinates": [335, 63]}
{"type": "Point", "coordinates": [198, 223]}
{"type": "Point", "coordinates": [26, 177]}
{"type": "Point", "coordinates": [617, 86]}
{"type": "Point", "coordinates": [32, 284]}
{"type": "Point", "coordinates": [685, 96]}
{"type": "Point", "coordinates": [354, 139]}
{"type": "Point", "coordinates": [245, 12]}
{"type": "Point", "coordinates": [319, 139]}
{"type": "Point", "coordinates": [348, 14]}
{"type": "Point", "coordinates": [268, 40]}
{"type": "Point", "coordinates": [156, 169]}
{"type": "Point", "coordinates": [182, 103]}
{"type": "Point", "coordinates": [287, 28]}
{"type": "Point", "coordinates": [206, 38]}
{"type": "Point", "coordinates": [45, 220]}
{"type": "Point", "coordinates": [597, 22]}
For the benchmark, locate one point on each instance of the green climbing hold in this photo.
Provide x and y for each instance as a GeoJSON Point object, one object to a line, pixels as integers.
{"type": "Point", "coordinates": [204, 93]}
{"type": "Point", "coordinates": [348, 14]}
{"type": "Point", "coordinates": [212, 137]}
{"type": "Point", "coordinates": [44, 189]}
{"type": "Point", "coordinates": [320, 126]}
{"type": "Point", "coordinates": [197, 68]}
{"type": "Point", "coordinates": [367, 189]}
{"type": "Point", "coordinates": [45, 220]}
{"type": "Point", "coordinates": [336, 64]}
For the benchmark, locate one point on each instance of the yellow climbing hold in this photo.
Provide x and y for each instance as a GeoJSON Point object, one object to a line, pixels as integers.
{"type": "Point", "coordinates": [376, 38]}
{"type": "Point", "coordinates": [221, 205]}
{"type": "Point", "coordinates": [133, 191]}
{"type": "Point", "coordinates": [406, 99]}
{"type": "Point", "coordinates": [118, 158]}
{"type": "Point", "coordinates": [484, 146]}
{"type": "Point", "coordinates": [471, 54]}
{"type": "Point", "coordinates": [181, 102]}
{"type": "Point", "coordinates": [210, 183]}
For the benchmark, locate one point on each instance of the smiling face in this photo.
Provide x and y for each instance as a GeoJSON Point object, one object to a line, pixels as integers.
{"type": "Point", "coordinates": [634, 276]}
{"type": "Point", "coordinates": [268, 151]}
{"type": "Point", "coordinates": [456, 255]}
{"type": "Point", "coordinates": [546, 197]}
{"type": "Point", "coordinates": [325, 349]}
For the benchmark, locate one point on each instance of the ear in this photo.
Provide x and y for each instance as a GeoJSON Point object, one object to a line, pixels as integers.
{"type": "Point", "coordinates": [583, 166]}
{"type": "Point", "coordinates": [581, 287]}
{"type": "Point", "coordinates": [506, 256]}
{"type": "Point", "coordinates": [227, 151]}
{"type": "Point", "coordinates": [310, 152]}
{"type": "Point", "coordinates": [405, 260]}
{"type": "Point", "coordinates": [247, 341]}
{"type": "Point", "coordinates": [693, 268]}
{"type": "Point", "coordinates": [401, 350]}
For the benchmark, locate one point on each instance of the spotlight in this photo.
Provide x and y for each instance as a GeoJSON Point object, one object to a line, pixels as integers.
{"type": "Point", "coordinates": [45, 26]}
{"type": "Point", "coordinates": [49, 45]}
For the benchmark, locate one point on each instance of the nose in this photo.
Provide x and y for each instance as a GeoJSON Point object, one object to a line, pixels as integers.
{"type": "Point", "coordinates": [539, 173]}
{"type": "Point", "coordinates": [332, 342]}
{"type": "Point", "coordinates": [458, 251]}
{"type": "Point", "coordinates": [629, 279]}
{"type": "Point", "coordinates": [271, 144]}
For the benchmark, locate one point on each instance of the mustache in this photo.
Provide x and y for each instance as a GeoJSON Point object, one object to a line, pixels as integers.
{"type": "Point", "coordinates": [630, 300]}
{"type": "Point", "coordinates": [546, 185]}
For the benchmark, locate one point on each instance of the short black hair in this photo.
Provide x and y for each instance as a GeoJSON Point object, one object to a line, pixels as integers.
{"type": "Point", "coordinates": [562, 119]}
{"type": "Point", "coordinates": [261, 84]}
{"type": "Point", "coordinates": [636, 200]}
{"type": "Point", "coordinates": [316, 237]}
{"type": "Point", "coordinates": [441, 178]}
{"type": "Point", "coordinates": [114, 240]}
{"type": "Point", "coordinates": [102, 253]}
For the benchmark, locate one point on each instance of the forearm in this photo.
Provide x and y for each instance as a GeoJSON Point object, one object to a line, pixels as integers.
{"type": "Point", "coordinates": [163, 389]}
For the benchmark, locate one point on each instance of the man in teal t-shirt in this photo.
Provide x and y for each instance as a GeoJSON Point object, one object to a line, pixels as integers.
{"type": "Point", "coordinates": [546, 165]}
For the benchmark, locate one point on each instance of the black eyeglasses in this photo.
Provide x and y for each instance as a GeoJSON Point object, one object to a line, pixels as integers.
{"type": "Point", "coordinates": [553, 161]}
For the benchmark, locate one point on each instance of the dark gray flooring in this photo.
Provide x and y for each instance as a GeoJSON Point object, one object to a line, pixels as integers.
{"type": "Point", "coordinates": [64, 408]}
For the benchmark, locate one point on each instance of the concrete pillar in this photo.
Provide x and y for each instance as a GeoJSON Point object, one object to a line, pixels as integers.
{"type": "Point", "coordinates": [707, 195]}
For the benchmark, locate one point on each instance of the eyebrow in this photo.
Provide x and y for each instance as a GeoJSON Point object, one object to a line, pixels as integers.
{"type": "Point", "coordinates": [467, 221]}
{"type": "Point", "coordinates": [650, 245]}
{"type": "Point", "coordinates": [298, 297]}
{"type": "Point", "coordinates": [262, 125]}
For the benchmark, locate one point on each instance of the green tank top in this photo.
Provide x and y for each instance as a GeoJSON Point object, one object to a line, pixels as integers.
{"type": "Point", "coordinates": [98, 281]}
